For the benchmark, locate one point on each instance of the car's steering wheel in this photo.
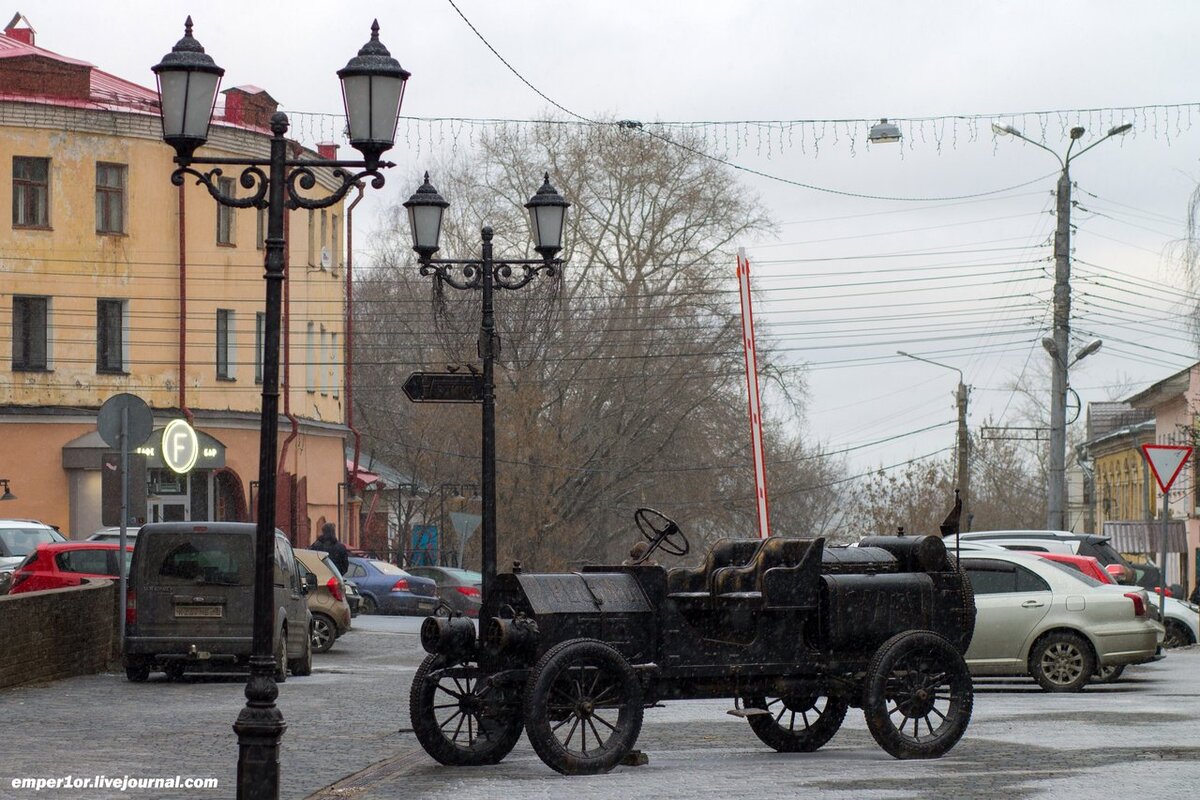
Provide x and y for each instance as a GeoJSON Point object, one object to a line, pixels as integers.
{"type": "Point", "coordinates": [661, 531]}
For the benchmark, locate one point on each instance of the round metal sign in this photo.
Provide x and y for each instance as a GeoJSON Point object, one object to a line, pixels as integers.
{"type": "Point", "coordinates": [180, 446]}
{"type": "Point", "coordinates": [138, 416]}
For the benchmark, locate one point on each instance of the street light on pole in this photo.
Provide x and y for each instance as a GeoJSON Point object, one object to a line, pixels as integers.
{"type": "Point", "coordinates": [547, 212]}
{"type": "Point", "coordinates": [962, 470]}
{"type": "Point", "coordinates": [372, 89]}
{"type": "Point", "coordinates": [1057, 490]}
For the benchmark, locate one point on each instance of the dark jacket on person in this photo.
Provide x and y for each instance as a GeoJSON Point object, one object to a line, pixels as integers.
{"type": "Point", "coordinates": [337, 551]}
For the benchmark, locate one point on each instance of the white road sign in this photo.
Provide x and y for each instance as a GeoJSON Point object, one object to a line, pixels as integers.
{"type": "Point", "coordinates": [1166, 462]}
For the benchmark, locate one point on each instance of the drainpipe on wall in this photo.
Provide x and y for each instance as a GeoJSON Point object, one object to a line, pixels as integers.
{"type": "Point", "coordinates": [187, 412]}
{"type": "Point", "coordinates": [348, 341]}
{"type": "Point", "coordinates": [286, 347]}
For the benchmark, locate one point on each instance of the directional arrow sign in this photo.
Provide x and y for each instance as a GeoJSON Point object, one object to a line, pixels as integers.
{"type": "Point", "coordinates": [1166, 462]}
{"type": "Point", "coordinates": [444, 387]}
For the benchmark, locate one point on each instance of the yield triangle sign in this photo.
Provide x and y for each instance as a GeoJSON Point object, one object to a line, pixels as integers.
{"type": "Point", "coordinates": [1166, 462]}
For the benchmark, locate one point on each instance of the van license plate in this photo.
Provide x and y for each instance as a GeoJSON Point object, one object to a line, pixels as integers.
{"type": "Point", "coordinates": [198, 611]}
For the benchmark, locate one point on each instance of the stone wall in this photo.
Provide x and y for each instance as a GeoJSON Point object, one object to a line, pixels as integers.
{"type": "Point", "coordinates": [45, 636]}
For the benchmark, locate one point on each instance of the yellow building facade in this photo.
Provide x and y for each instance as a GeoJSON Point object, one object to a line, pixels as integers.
{"type": "Point", "coordinates": [113, 280]}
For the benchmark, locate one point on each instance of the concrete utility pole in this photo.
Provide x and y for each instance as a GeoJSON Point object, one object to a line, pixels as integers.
{"type": "Point", "coordinates": [962, 469]}
{"type": "Point", "coordinates": [1058, 345]}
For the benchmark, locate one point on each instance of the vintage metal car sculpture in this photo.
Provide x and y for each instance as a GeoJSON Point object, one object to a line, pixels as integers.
{"type": "Point", "coordinates": [793, 630]}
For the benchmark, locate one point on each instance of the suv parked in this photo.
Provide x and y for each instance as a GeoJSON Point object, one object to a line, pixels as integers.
{"type": "Point", "coordinates": [19, 538]}
{"type": "Point", "coordinates": [326, 598]}
{"type": "Point", "coordinates": [1082, 544]}
{"type": "Point", "coordinates": [191, 600]}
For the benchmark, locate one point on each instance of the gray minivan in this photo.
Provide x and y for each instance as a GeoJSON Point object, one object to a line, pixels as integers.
{"type": "Point", "coordinates": [191, 601]}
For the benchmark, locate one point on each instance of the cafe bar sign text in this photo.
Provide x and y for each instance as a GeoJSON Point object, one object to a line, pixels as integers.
{"type": "Point", "coordinates": [181, 448]}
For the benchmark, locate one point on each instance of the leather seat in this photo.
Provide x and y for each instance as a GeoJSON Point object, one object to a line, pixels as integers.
{"type": "Point", "coordinates": [783, 573]}
{"type": "Point", "coordinates": [696, 584]}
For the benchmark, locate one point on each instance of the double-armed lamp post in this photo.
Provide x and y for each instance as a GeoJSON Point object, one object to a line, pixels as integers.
{"type": "Point", "coordinates": [547, 211]}
{"type": "Point", "coordinates": [372, 88]}
{"type": "Point", "coordinates": [1056, 517]}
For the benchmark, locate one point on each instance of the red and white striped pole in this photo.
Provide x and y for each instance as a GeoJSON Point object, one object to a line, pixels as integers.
{"type": "Point", "coordinates": [755, 406]}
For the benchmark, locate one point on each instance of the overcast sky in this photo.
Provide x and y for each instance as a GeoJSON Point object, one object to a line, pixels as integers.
{"type": "Point", "coordinates": [778, 60]}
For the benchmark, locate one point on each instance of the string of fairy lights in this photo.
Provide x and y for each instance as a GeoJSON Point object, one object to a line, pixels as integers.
{"type": "Point", "coordinates": [770, 139]}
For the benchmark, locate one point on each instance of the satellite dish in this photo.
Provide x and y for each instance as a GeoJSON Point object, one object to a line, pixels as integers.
{"type": "Point", "coordinates": [326, 260]}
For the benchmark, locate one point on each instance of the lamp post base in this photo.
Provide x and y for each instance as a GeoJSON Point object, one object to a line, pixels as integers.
{"type": "Point", "coordinates": [259, 729]}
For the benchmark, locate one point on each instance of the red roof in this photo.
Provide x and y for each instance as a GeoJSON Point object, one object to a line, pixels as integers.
{"type": "Point", "coordinates": [107, 91]}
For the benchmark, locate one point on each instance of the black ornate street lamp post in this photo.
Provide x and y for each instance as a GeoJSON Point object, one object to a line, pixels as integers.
{"type": "Point", "coordinates": [372, 88]}
{"type": "Point", "coordinates": [547, 210]}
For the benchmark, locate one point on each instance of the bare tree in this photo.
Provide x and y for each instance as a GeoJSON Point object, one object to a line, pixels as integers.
{"type": "Point", "coordinates": [620, 386]}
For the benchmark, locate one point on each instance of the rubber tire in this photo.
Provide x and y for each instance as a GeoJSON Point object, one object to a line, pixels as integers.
{"type": "Point", "coordinates": [138, 672]}
{"type": "Point", "coordinates": [538, 723]}
{"type": "Point", "coordinates": [1178, 631]}
{"type": "Point", "coordinates": [875, 699]}
{"type": "Point", "coordinates": [1109, 674]}
{"type": "Point", "coordinates": [322, 642]}
{"type": "Point", "coordinates": [302, 666]}
{"type": "Point", "coordinates": [422, 697]}
{"type": "Point", "coordinates": [1076, 643]}
{"type": "Point", "coordinates": [786, 740]}
{"type": "Point", "coordinates": [281, 663]}
{"type": "Point", "coordinates": [369, 605]}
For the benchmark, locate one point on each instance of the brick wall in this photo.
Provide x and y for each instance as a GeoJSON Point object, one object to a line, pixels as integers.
{"type": "Point", "coordinates": [45, 636]}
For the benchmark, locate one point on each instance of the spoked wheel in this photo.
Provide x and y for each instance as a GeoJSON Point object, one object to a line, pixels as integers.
{"type": "Point", "coordinates": [583, 707]}
{"type": "Point", "coordinates": [797, 723]}
{"type": "Point", "coordinates": [1109, 674]}
{"type": "Point", "coordinates": [323, 632]}
{"type": "Point", "coordinates": [455, 718]}
{"type": "Point", "coordinates": [1062, 661]}
{"type": "Point", "coordinates": [918, 695]}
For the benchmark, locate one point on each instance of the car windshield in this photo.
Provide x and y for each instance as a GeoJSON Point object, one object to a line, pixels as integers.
{"type": "Point", "coordinates": [23, 541]}
{"type": "Point", "coordinates": [386, 568]}
{"type": "Point", "coordinates": [186, 558]}
{"type": "Point", "coordinates": [1074, 573]}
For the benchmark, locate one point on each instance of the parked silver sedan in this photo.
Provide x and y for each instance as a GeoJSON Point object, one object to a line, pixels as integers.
{"type": "Point", "coordinates": [1039, 619]}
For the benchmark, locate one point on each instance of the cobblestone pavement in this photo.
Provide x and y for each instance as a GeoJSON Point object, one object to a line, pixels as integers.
{"type": "Point", "coordinates": [343, 740]}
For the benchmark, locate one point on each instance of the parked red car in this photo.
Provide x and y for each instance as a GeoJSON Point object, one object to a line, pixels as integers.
{"type": "Point", "coordinates": [61, 564]}
{"type": "Point", "coordinates": [1088, 565]}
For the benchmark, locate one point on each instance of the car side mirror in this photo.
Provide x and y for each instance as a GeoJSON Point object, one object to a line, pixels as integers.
{"type": "Point", "coordinates": [310, 582]}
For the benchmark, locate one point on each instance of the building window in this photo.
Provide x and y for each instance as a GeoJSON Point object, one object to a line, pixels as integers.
{"type": "Point", "coordinates": [110, 335]}
{"type": "Point", "coordinates": [110, 198]}
{"type": "Point", "coordinates": [29, 325]}
{"type": "Point", "coordinates": [260, 332]}
{"type": "Point", "coordinates": [260, 228]}
{"type": "Point", "coordinates": [225, 335]}
{"type": "Point", "coordinates": [31, 192]}
{"type": "Point", "coordinates": [310, 365]}
{"type": "Point", "coordinates": [225, 218]}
